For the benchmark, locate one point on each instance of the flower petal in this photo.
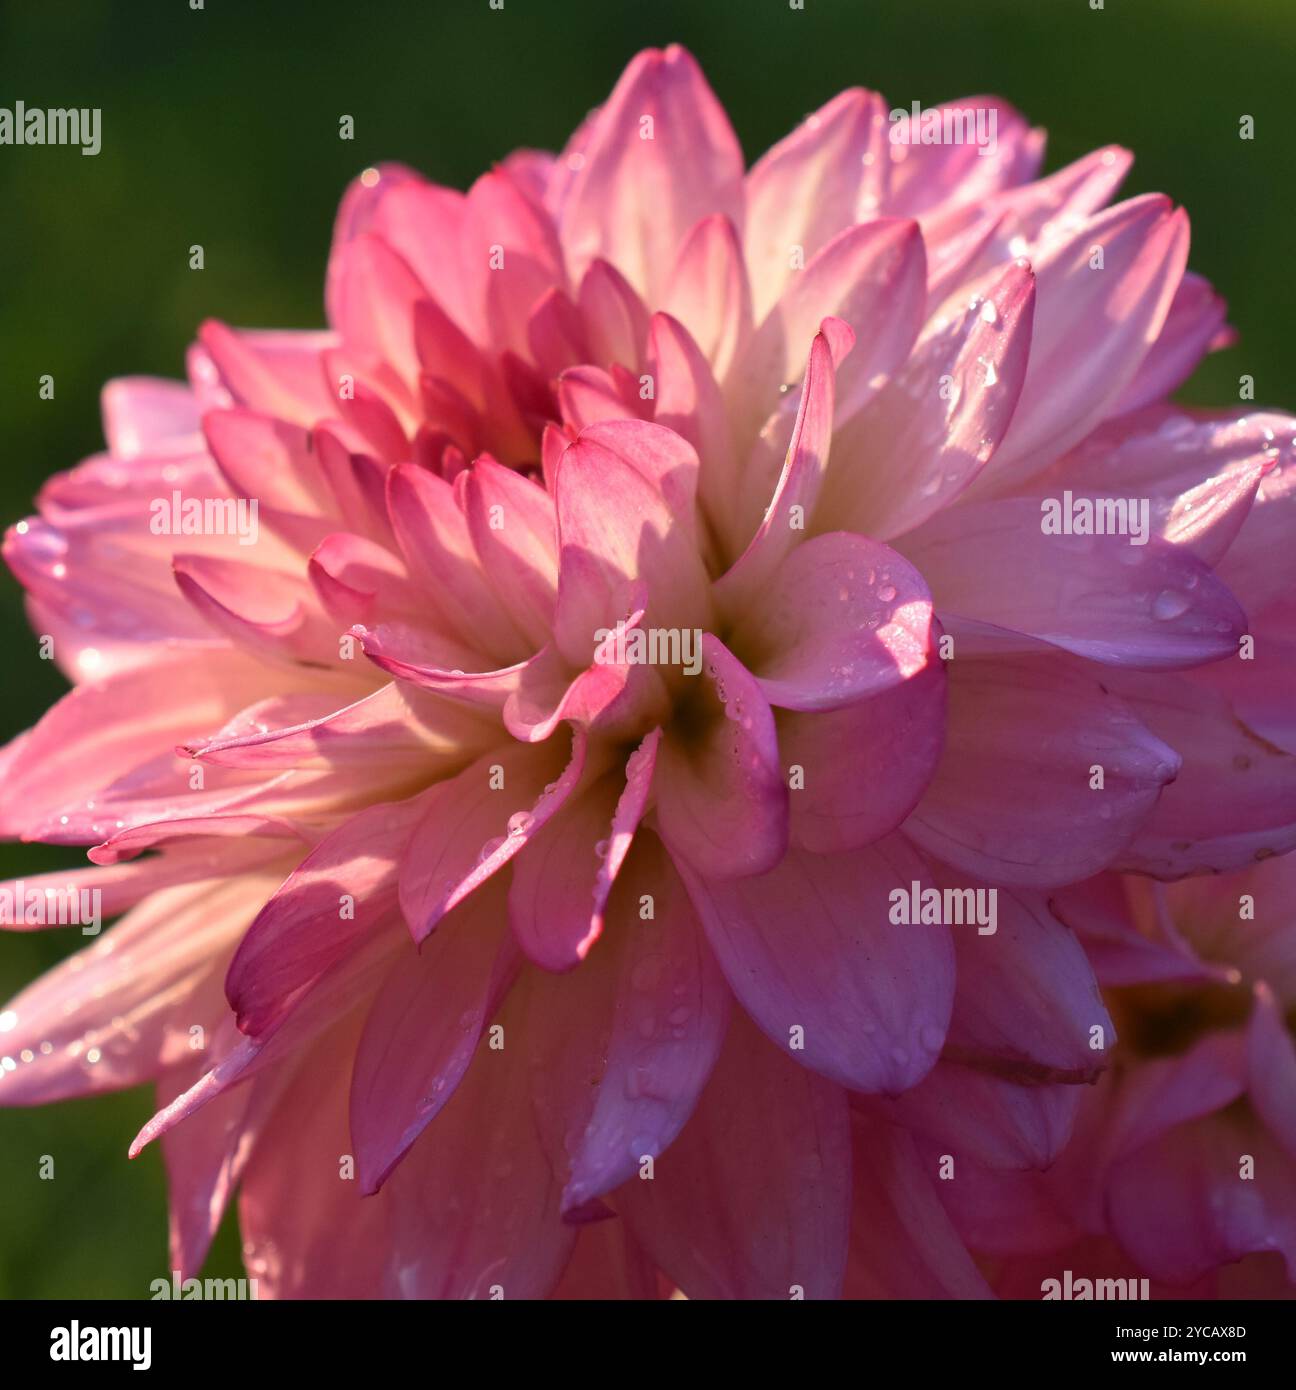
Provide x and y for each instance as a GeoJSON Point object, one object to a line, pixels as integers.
{"type": "Point", "coordinates": [724, 1227]}
{"type": "Point", "coordinates": [473, 824]}
{"type": "Point", "coordinates": [722, 803]}
{"type": "Point", "coordinates": [843, 618]}
{"type": "Point", "coordinates": [1103, 597]}
{"type": "Point", "coordinates": [814, 182]}
{"type": "Point", "coordinates": [1012, 801]}
{"type": "Point", "coordinates": [670, 1011]}
{"type": "Point", "coordinates": [659, 156]}
{"type": "Point", "coordinates": [853, 996]}
{"type": "Point", "coordinates": [422, 1030]}
{"type": "Point", "coordinates": [864, 767]}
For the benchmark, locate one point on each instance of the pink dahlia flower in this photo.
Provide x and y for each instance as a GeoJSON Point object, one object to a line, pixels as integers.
{"type": "Point", "coordinates": [652, 611]}
{"type": "Point", "coordinates": [1182, 1167]}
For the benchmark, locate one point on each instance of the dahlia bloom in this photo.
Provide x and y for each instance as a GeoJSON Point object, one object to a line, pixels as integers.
{"type": "Point", "coordinates": [1182, 1167]}
{"type": "Point", "coordinates": [651, 597]}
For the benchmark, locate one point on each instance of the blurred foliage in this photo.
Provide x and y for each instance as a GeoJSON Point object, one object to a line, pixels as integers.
{"type": "Point", "coordinates": [220, 126]}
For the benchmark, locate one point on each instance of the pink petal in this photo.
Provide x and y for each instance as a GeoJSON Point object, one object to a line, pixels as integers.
{"type": "Point", "coordinates": [724, 1227]}
{"type": "Point", "coordinates": [1011, 801]}
{"type": "Point", "coordinates": [1199, 475]}
{"type": "Point", "coordinates": [512, 524]}
{"type": "Point", "coordinates": [293, 1201]}
{"type": "Point", "coordinates": [562, 884]}
{"type": "Point", "coordinates": [864, 766]}
{"type": "Point", "coordinates": [1259, 565]}
{"type": "Point", "coordinates": [641, 187]}
{"type": "Point", "coordinates": [1027, 1005]}
{"type": "Point", "coordinates": [473, 824]}
{"type": "Point", "coordinates": [356, 578]}
{"type": "Point", "coordinates": [842, 619]}
{"type": "Point", "coordinates": [670, 1011]}
{"type": "Point", "coordinates": [616, 526]}
{"type": "Point", "coordinates": [189, 840]}
{"type": "Point", "coordinates": [797, 489]}
{"type": "Point", "coordinates": [66, 897]}
{"type": "Point", "coordinates": [932, 428]}
{"type": "Point", "coordinates": [206, 1158]}
{"type": "Point", "coordinates": [321, 1008]}
{"type": "Point", "coordinates": [510, 255]}
{"type": "Point", "coordinates": [1165, 1093]}
{"type": "Point", "coordinates": [271, 613]}
{"type": "Point", "coordinates": [721, 797]}
{"type": "Point", "coordinates": [611, 696]}
{"type": "Point", "coordinates": [971, 1113]}
{"type": "Point", "coordinates": [438, 548]}
{"type": "Point", "coordinates": [616, 321]}
{"type": "Point", "coordinates": [474, 1207]}
{"type": "Point", "coordinates": [278, 373]}
{"type": "Point", "coordinates": [560, 888]}
{"type": "Point", "coordinates": [824, 176]}
{"type": "Point", "coordinates": [1099, 912]}
{"type": "Point", "coordinates": [376, 295]}
{"type": "Point", "coordinates": [1180, 1209]}
{"type": "Point", "coordinates": [419, 220]}
{"type": "Point", "coordinates": [144, 414]}
{"type": "Point", "coordinates": [1271, 1059]}
{"type": "Point", "coordinates": [556, 333]}
{"type": "Point", "coordinates": [447, 353]}
{"type": "Point", "coordinates": [429, 662]}
{"type": "Point", "coordinates": [848, 993]}
{"type": "Point", "coordinates": [422, 1030]}
{"type": "Point", "coordinates": [590, 396]}
{"type": "Point", "coordinates": [1033, 215]}
{"type": "Point", "coordinates": [874, 278]}
{"type": "Point", "coordinates": [708, 292]}
{"type": "Point", "coordinates": [390, 725]}
{"type": "Point", "coordinates": [1233, 801]}
{"type": "Point", "coordinates": [903, 1245]}
{"type": "Point", "coordinates": [1150, 606]}
{"type": "Point", "coordinates": [105, 730]}
{"type": "Point", "coordinates": [119, 1012]}
{"type": "Point", "coordinates": [1116, 313]}
{"type": "Point", "coordinates": [341, 894]}
{"type": "Point", "coordinates": [106, 615]}
{"type": "Point", "coordinates": [924, 177]}
{"type": "Point", "coordinates": [1192, 328]}
{"type": "Point", "coordinates": [689, 402]}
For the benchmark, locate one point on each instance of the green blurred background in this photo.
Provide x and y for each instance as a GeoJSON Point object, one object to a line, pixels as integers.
{"type": "Point", "coordinates": [220, 126]}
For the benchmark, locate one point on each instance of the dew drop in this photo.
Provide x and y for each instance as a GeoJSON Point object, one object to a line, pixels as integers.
{"type": "Point", "coordinates": [1168, 604]}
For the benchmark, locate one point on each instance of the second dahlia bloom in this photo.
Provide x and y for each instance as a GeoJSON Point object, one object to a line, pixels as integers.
{"type": "Point", "coordinates": [651, 591]}
{"type": "Point", "coordinates": [1182, 1169]}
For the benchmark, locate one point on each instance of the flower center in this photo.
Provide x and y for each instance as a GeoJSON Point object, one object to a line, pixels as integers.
{"type": "Point", "coordinates": [1166, 1019]}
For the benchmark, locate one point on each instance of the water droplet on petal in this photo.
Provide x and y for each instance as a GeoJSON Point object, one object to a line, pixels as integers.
{"type": "Point", "coordinates": [1168, 604]}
